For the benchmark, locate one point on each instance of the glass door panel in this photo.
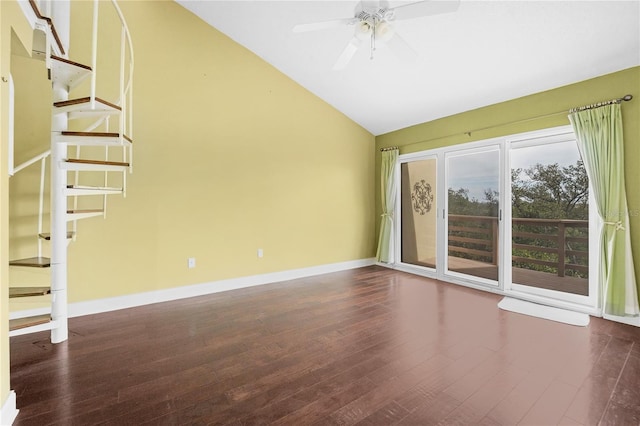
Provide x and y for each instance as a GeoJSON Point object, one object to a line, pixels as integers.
{"type": "Point", "coordinates": [418, 212]}
{"type": "Point", "coordinates": [550, 218]}
{"type": "Point", "coordinates": [473, 182]}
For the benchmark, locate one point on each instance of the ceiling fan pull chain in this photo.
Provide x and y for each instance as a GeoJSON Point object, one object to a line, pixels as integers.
{"type": "Point", "coordinates": [373, 39]}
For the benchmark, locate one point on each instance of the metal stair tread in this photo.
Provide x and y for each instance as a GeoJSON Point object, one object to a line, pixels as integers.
{"type": "Point", "coordinates": [33, 262]}
{"type": "Point", "coordinates": [85, 100]}
{"type": "Point", "coordinates": [81, 108]}
{"type": "Point", "coordinates": [19, 323]}
{"type": "Point", "coordinates": [70, 62]}
{"type": "Point", "coordinates": [79, 211]}
{"type": "Point", "coordinates": [96, 162]}
{"type": "Point", "coordinates": [47, 235]}
{"type": "Point", "coordinates": [96, 188]}
{"type": "Point", "coordinates": [95, 135]}
{"type": "Point", "coordinates": [68, 72]}
{"type": "Point", "coordinates": [79, 190]}
{"type": "Point", "coordinates": [85, 165]}
{"type": "Point", "coordinates": [79, 214]}
{"type": "Point", "coordinates": [15, 292]}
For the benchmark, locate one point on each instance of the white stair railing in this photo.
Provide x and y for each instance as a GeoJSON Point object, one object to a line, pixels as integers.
{"type": "Point", "coordinates": [42, 158]}
{"type": "Point", "coordinates": [126, 83]}
{"type": "Point", "coordinates": [11, 125]}
{"type": "Point", "coordinates": [125, 100]}
{"type": "Point", "coordinates": [43, 167]}
{"type": "Point", "coordinates": [105, 183]}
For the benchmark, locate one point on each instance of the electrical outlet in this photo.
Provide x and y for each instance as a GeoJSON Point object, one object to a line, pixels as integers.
{"type": "Point", "coordinates": [191, 262]}
{"type": "Point", "coordinates": [260, 253]}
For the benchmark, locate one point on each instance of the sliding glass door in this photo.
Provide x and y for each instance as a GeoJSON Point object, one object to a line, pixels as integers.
{"type": "Point", "coordinates": [418, 186]}
{"type": "Point", "coordinates": [473, 190]}
{"type": "Point", "coordinates": [509, 213]}
{"type": "Point", "coordinates": [549, 218]}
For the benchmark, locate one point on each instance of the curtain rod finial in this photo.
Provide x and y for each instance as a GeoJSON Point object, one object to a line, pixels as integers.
{"type": "Point", "coordinates": [627, 97]}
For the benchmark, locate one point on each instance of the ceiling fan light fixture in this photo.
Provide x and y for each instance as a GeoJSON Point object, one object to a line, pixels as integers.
{"type": "Point", "coordinates": [373, 22]}
{"type": "Point", "coordinates": [384, 32]}
{"type": "Point", "coordinates": [363, 30]}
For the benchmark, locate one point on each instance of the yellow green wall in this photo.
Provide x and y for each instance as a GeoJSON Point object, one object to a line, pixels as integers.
{"type": "Point", "coordinates": [15, 36]}
{"type": "Point", "coordinates": [451, 130]}
{"type": "Point", "coordinates": [230, 156]}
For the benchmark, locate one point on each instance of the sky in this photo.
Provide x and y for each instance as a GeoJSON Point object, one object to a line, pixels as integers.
{"type": "Point", "coordinates": [480, 171]}
{"type": "Point", "coordinates": [563, 153]}
{"type": "Point", "coordinates": [475, 172]}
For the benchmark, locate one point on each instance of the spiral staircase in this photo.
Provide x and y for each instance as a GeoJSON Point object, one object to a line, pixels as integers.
{"type": "Point", "coordinates": [88, 161]}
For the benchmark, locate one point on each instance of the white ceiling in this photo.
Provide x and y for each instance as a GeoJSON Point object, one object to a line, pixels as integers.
{"type": "Point", "coordinates": [486, 52]}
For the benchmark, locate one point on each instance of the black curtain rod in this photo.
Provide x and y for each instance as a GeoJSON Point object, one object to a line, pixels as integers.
{"type": "Point", "coordinates": [538, 117]}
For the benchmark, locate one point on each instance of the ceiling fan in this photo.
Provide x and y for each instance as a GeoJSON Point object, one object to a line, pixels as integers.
{"type": "Point", "coordinates": [372, 20]}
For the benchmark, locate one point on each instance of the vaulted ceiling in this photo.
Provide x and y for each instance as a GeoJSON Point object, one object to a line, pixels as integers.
{"type": "Point", "coordinates": [483, 53]}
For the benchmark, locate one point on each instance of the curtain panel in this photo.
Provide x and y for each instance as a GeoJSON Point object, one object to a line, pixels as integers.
{"type": "Point", "coordinates": [388, 188]}
{"type": "Point", "coordinates": [600, 141]}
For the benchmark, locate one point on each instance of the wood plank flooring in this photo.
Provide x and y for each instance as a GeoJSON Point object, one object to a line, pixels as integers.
{"type": "Point", "coordinates": [370, 346]}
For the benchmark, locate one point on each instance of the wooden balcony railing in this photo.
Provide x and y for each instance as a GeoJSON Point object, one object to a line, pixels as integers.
{"type": "Point", "coordinates": [476, 237]}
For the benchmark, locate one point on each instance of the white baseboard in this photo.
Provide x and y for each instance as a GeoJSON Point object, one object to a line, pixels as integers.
{"type": "Point", "coordinates": [625, 320]}
{"type": "Point", "coordinates": [138, 299]}
{"type": "Point", "coordinates": [543, 311]}
{"type": "Point", "coordinates": [8, 413]}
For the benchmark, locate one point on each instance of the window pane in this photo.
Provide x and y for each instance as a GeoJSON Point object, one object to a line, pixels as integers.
{"type": "Point", "coordinates": [472, 232]}
{"type": "Point", "coordinates": [550, 218]}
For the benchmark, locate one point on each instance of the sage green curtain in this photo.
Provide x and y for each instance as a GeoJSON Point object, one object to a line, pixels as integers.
{"type": "Point", "coordinates": [600, 140]}
{"type": "Point", "coordinates": [388, 187]}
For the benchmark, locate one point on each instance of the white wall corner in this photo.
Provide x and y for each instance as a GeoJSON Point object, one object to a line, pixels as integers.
{"type": "Point", "coordinates": [91, 307]}
{"type": "Point", "coordinates": [9, 412]}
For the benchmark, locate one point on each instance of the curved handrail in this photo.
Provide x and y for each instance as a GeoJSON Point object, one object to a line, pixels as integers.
{"type": "Point", "coordinates": [32, 161]}
{"type": "Point", "coordinates": [126, 89]}
{"type": "Point", "coordinates": [126, 27]}
{"type": "Point", "coordinates": [125, 96]}
{"type": "Point", "coordinates": [42, 159]}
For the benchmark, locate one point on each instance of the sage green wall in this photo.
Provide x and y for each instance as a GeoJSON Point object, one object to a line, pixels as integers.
{"type": "Point", "coordinates": [230, 156]}
{"type": "Point", "coordinates": [451, 130]}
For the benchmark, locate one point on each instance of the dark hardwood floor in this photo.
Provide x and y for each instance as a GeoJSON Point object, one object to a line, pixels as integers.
{"type": "Point", "coordinates": [369, 347]}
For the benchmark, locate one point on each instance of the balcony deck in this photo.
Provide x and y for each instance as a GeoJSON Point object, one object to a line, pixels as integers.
{"type": "Point", "coordinates": [521, 276]}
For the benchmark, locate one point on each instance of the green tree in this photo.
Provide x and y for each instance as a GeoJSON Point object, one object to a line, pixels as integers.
{"type": "Point", "coordinates": [550, 191]}
{"type": "Point", "coordinates": [539, 192]}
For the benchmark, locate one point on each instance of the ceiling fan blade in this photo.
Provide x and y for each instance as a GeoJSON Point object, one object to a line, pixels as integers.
{"type": "Point", "coordinates": [424, 8]}
{"type": "Point", "coordinates": [316, 26]}
{"type": "Point", "coordinates": [347, 54]}
{"type": "Point", "coordinates": [401, 49]}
